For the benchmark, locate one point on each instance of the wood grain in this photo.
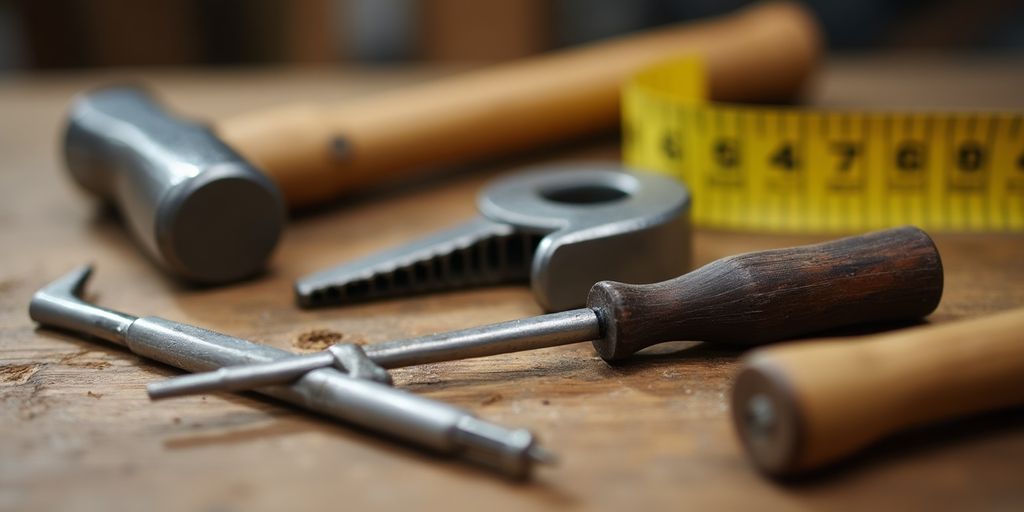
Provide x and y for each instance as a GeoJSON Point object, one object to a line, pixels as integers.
{"type": "Point", "coordinates": [77, 431]}
{"type": "Point", "coordinates": [754, 298]}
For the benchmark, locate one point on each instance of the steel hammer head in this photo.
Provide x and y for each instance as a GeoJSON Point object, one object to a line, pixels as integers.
{"type": "Point", "coordinates": [195, 205]}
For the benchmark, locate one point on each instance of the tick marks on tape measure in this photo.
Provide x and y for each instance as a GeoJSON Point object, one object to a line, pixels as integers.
{"type": "Point", "coordinates": [970, 156]}
{"type": "Point", "coordinates": [910, 156]}
{"type": "Point", "coordinates": [727, 153]}
{"type": "Point", "coordinates": [847, 152]}
{"type": "Point", "coordinates": [835, 170]}
{"type": "Point", "coordinates": [785, 157]}
{"type": "Point", "coordinates": [670, 146]}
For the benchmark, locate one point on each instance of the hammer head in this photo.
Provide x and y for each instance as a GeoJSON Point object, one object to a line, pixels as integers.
{"type": "Point", "coordinates": [195, 205]}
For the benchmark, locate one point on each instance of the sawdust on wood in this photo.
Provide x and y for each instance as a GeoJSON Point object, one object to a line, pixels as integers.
{"type": "Point", "coordinates": [320, 339]}
{"type": "Point", "coordinates": [72, 360]}
{"type": "Point", "coordinates": [18, 373]}
{"type": "Point", "coordinates": [95, 365]}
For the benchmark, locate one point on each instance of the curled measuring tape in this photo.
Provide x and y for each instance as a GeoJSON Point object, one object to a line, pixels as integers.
{"type": "Point", "coordinates": [796, 170]}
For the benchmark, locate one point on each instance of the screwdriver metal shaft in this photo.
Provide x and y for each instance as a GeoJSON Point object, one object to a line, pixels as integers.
{"type": "Point", "coordinates": [517, 335]}
{"type": "Point", "coordinates": [749, 299]}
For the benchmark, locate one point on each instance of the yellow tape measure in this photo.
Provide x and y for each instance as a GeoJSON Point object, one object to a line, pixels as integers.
{"type": "Point", "coordinates": [793, 170]}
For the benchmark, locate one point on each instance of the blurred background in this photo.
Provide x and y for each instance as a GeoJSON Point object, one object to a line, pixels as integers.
{"type": "Point", "coordinates": [59, 34]}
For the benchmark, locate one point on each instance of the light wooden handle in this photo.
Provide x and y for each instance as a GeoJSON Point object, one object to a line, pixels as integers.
{"type": "Point", "coordinates": [800, 406]}
{"type": "Point", "coordinates": [315, 153]}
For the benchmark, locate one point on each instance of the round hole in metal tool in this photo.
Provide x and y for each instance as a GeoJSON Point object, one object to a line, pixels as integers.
{"type": "Point", "coordinates": [584, 194]}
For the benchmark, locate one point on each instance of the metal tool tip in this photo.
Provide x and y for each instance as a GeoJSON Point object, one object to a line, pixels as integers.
{"type": "Point", "coordinates": [66, 288]}
{"type": "Point", "coordinates": [70, 284]}
{"type": "Point", "coordinates": [159, 390]}
{"type": "Point", "coordinates": [192, 384]}
{"type": "Point", "coordinates": [541, 456]}
{"type": "Point", "coordinates": [83, 271]}
{"type": "Point", "coordinates": [60, 304]}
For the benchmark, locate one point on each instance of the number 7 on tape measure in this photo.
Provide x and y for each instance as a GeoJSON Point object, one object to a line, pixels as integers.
{"type": "Point", "coordinates": [794, 170]}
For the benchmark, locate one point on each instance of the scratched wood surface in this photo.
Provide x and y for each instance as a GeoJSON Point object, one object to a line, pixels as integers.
{"type": "Point", "coordinates": [77, 431]}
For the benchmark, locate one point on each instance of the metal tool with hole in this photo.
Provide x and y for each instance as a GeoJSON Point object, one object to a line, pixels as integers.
{"type": "Point", "coordinates": [562, 229]}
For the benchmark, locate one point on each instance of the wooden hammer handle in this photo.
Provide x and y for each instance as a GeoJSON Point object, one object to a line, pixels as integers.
{"type": "Point", "coordinates": [315, 153]}
{"type": "Point", "coordinates": [802, 405]}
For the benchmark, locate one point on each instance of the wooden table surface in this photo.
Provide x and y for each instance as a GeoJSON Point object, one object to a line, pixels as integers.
{"type": "Point", "coordinates": [78, 432]}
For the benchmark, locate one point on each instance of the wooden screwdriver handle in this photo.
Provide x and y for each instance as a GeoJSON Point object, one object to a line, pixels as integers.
{"type": "Point", "coordinates": [802, 405]}
{"type": "Point", "coordinates": [768, 296]}
{"type": "Point", "coordinates": [315, 152]}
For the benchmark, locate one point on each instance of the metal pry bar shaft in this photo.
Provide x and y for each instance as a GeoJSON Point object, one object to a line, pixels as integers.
{"type": "Point", "coordinates": [425, 422]}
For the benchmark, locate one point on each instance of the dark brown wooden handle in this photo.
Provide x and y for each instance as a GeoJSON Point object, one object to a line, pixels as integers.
{"type": "Point", "coordinates": [767, 296]}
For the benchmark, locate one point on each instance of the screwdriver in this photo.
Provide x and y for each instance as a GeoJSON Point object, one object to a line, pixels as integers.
{"type": "Point", "coordinates": [743, 300]}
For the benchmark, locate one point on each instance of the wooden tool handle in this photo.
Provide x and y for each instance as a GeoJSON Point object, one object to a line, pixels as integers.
{"type": "Point", "coordinates": [767, 296]}
{"type": "Point", "coordinates": [802, 405]}
{"type": "Point", "coordinates": [763, 53]}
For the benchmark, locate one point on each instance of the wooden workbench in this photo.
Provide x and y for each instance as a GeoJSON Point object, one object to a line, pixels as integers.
{"type": "Point", "coordinates": [78, 432]}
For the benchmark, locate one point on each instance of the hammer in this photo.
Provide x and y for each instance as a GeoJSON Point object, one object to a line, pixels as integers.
{"type": "Point", "coordinates": [208, 202]}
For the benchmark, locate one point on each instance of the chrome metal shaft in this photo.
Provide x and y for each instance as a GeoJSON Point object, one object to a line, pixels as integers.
{"type": "Point", "coordinates": [514, 336]}
{"type": "Point", "coordinates": [364, 402]}
{"type": "Point", "coordinates": [237, 378]}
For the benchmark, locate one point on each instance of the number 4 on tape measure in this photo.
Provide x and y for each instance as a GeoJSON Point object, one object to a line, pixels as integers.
{"type": "Point", "coordinates": [792, 170]}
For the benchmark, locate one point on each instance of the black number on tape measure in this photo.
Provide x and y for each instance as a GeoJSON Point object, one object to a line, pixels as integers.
{"type": "Point", "coordinates": [1020, 162]}
{"type": "Point", "coordinates": [727, 153]}
{"type": "Point", "coordinates": [670, 146]}
{"type": "Point", "coordinates": [785, 157]}
{"type": "Point", "coordinates": [847, 151]}
{"type": "Point", "coordinates": [910, 156]}
{"type": "Point", "coordinates": [970, 157]}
